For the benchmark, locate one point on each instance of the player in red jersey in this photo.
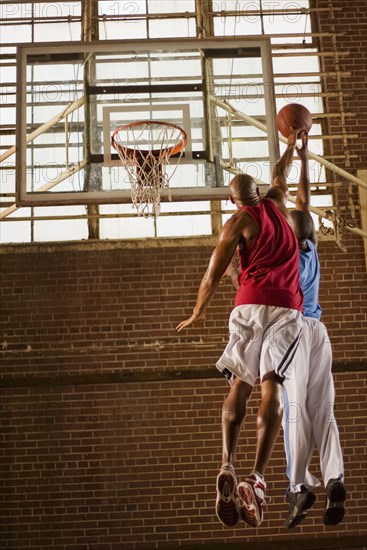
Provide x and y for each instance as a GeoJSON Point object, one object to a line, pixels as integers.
{"type": "Point", "coordinates": [265, 327]}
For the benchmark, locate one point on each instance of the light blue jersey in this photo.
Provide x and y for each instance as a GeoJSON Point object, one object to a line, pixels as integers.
{"type": "Point", "coordinates": [309, 271]}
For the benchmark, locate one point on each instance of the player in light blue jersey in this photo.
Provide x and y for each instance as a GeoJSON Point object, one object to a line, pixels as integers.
{"type": "Point", "coordinates": [309, 392]}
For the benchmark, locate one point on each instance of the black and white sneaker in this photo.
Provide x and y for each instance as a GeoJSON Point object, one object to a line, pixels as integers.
{"type": "Point", "coordinates": [335, 502]}
{"type": "Point", "coordinates": [299, 503]}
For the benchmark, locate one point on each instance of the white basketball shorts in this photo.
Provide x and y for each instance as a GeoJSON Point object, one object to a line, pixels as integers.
{"type": "Point", "coordinates": [262, 339]}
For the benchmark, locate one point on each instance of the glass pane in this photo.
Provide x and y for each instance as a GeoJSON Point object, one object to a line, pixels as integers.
{"type": "Point", "coordinates": [241, 25]}
{"type": "Point", "coordinates": [177, 69]}
{"type": "Point", "coordinates": [125, 228]}
{"type": "Point", "coordinates": [7, 176]}
{"type": "Point", "coordinates": [119, 67]}
{"type": "Point", "coordinates": [57, 9]}
{"type": "Point", "coordinates": [295, 64]}
{"type": "Point", "coordinates": [43, 32]}
{"type": "Point", "coordinates": [9, 75]}
{"type": "Point", "coordinates": [60, 230]}
{"type": "Point", "coordinates": [290, 22]}
{"type": "Point", "coordinates": [172, 27]}
{"type": "Point", "coordinates": [114, 30]}
{"type": "Point", "coordinates": [235, 5]}
{"type": "Point", "coordinates": [8, 117]}
{"type": "Point", "coordinates": [11, 33]}
{"type": "Point", "coordinates": [185, 206]}
{"type": "Point", "coordinates": [122, 9]}
{"type": "Point", "coordinates": [70, 210]}
{"type": "Point", "coordinates": [13, 10]}
{"type": "Point", "coordinates": [180, 226]}
{"type": "Point", "coordinates": [15, 232]}
{"type": "Point", "coordinates": [178, 6]}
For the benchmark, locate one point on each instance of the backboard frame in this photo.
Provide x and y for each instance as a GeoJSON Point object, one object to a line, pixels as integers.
{"type": "Point", "coordinates": [220, 44]}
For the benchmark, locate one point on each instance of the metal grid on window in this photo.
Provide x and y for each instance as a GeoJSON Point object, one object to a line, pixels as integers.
{"type": "Point", "coordinates": [297, 76]}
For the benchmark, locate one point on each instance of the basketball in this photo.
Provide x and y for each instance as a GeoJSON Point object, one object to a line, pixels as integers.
{"type": "Point", "coordinates": [294, 116]}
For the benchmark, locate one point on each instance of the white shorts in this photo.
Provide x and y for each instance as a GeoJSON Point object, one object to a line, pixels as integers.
{"type": "Point", "coordinates": [262, 339]}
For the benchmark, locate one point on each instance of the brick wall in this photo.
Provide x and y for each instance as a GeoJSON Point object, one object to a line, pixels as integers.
{"type": "Point", "coordinates": [348, 146]}
{"type": "Point", "coordinates": [111, 420]}
{"type": "Point", "coordinates": [348, 19]}
{"type": "Point", "coordinates": [111, 466]}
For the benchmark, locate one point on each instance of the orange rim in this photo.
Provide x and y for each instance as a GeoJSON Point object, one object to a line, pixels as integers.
{"type": "Point", "coordinates": [131, 152]}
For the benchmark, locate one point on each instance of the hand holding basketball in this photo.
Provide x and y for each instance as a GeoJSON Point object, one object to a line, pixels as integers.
{"type": "Point", "coordinates": [293, 116]}
{"type": "Point", "coordinates": [302, 151]}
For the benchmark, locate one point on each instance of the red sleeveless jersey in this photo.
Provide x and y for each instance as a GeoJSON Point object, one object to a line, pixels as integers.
{"type": "Point", "coordinates": [269, 273]}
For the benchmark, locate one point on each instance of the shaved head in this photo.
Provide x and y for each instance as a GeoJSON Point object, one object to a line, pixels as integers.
{"type": "Point", "coordinates": [243, 190]}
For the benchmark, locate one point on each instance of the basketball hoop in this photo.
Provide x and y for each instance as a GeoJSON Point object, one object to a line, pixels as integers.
{"type": "Point", "coordinates": [145, 148]}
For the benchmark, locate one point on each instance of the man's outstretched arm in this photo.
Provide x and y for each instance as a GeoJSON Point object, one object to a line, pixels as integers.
{"type": "Point", "coordinates": [278, 191]}
{"type": "Point", "coordinates": [282, 167]}
{"type": "Point", "coordinates": [302, 220]}
{"type": "Point", "coordinates": [218, 263]}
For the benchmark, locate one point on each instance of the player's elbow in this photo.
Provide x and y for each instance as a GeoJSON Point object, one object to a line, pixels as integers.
{"type": "Point", "coordinates": [302, 204]}
{"type": "Point", "coordinates": [277, 192]}
{"type": "Point", "coordinates": [302, 224]}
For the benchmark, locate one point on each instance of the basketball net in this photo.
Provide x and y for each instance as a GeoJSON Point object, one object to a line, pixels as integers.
{"type": "Point", "coordinates": [145, 148]}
